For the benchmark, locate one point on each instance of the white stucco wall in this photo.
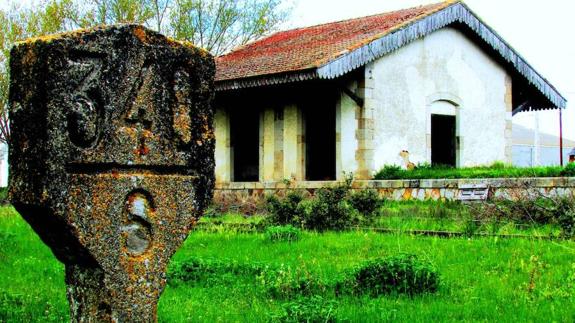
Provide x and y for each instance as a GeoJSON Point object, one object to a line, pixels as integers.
{"type": "Point", "coordinates": [444, 65]}
{"type": "Point", "coordinates": [346, 139]}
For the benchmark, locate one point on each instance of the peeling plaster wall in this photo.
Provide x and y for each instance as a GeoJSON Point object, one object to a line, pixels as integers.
{"type": "Point", "coordinates": [444, 65]}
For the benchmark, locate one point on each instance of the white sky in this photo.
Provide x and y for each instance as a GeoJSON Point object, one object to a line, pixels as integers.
{"type": "Point", "coordinates": [541, 31]}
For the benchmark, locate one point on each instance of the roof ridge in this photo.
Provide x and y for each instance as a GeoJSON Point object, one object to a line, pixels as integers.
{"type": "Point", "coordinates": [446, 3]}
{"type": "Point", "coordinates": [373, 15]}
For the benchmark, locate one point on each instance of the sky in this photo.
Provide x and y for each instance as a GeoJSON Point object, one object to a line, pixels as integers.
{"type": "Point", "coordinates": [541, 31]}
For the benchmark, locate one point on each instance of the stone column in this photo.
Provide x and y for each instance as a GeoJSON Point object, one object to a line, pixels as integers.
{"type": "Point", "coordinates": [112, 156]}
{"type": "Point", "coordinates": [508, 119]}
{"type": "Point", "coordinates": [224, 169]}
{"type": "Point", "coordinates": [293, 151]}
{"type": "Point", "coordinates": [365, 127]}
{"type": "Point", "coordinates": [267, 167]}
{"type": "Point", "coordinates": [278, 144]}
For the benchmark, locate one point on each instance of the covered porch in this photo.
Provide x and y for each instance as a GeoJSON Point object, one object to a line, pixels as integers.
{"type": "Point", "coordinates": [305, 131]}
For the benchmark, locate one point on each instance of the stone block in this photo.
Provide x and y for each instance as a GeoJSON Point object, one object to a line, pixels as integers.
{"type": "Point", "coordinates": [112, 156]}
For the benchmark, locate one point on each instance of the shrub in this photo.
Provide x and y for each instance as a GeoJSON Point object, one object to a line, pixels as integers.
{"type": "Point", "coordinates": [569, 170]}
{"type": "Point", "coordinates": [389, 172]}
{"type": "Point", "coordinates": [329, 209]}
{"type": "Point", "coordinates": [567, 222]}
{"type": "Point", "coordinates": [285, 210]}
{"type": "Point", "coordinates": [365, 201]}
{"type": "Point", "coordinates": [401, 274]}
{"type": "Point", "coordinates": [307, 309]}
{"type": "Point", "coordinates": [286, 282]}
{"type": "Point", "coordinates": [283, 233]}
{"type": "Point", "coordinates": [207, 271]}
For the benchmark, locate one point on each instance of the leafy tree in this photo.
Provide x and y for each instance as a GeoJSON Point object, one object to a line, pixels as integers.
{"type": "Point", "coordinates": [106, 12]}
{"type": "Point", "coordinates": [18, 24]}
{"type": "Point", "coordinates": [219, 25]}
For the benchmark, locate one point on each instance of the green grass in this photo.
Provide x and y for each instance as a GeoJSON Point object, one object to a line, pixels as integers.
{"type": "Point", "coordinates": [453, 217]}
{"type": "Point", "coordinates": [494, 171]}
{"type": "Point", "coordinates": [482, 279]}
{"type": "Point", "coordinates": [32, 285]}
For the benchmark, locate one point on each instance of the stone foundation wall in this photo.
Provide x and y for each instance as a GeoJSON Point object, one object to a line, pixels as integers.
{"type": "Point", "coordinates": [249, 198]}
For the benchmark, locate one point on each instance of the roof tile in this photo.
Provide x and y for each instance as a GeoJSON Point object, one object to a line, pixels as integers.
{"type": "Point", "coordinates": [311, 47]}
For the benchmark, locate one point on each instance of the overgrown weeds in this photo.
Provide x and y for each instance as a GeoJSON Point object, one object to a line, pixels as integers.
{"type": "Point", "coordinates": [331, 208]}
{"type": "Point", "coordinates": [496, 170]}
{"type": "Point", "coordinates": [314, 309]}
{"type": "Point", "coordinates": [400, 274]}
{"type": "Point", "coordinates": [286, 233]}
{"type": "Point", "coordinates": [529, 210]}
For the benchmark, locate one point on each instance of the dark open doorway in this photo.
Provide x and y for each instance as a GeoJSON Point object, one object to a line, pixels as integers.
{"type": "Point", "coordinates": [320, 140]}
{"type": "Point", "coordinates": [244, 137]}
{"type": "Point", "coordinates": [443, 140]}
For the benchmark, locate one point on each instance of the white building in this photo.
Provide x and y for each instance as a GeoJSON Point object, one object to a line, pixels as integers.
{"type": "Point", "coordinates": [347, 97]}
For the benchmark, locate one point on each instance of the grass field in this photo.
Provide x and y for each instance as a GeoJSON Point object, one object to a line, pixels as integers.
{"type": "Point", "coordinates": [482, 279]}
{"type": "Point", "coordinates": [497, 170]}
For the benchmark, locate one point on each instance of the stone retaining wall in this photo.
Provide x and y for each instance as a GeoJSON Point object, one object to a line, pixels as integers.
{"type": "Point", "coordinates": [249, 197]}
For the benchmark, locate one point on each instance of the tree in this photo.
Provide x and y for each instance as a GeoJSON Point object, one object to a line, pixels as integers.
{"type": "Point", "coordinates": [18, 24]}
{"type": "Point", "coordinates": [106, 12]}
{"type": "Point", "coordinates": [219, 25]}
{"type": "Point", "coordinates": [216, 25]}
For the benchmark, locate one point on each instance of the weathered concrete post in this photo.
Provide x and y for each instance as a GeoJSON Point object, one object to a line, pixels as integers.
{"type": "Point", "coordinates": [111, 159]}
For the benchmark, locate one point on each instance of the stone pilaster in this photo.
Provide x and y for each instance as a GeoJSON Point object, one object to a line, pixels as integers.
{"type": "Point", "coordinates": [365, 128]}
{"type": "Point", "coordinates": [278, 144]}
{"type": "Point", "coordinates": [267, 167]}
{"type": "Point", "coordinates": [224, 168]}
{"type": "Point", "coordinates": [293, 145]}
{"type": "Point", "coordinates": [508, 120]}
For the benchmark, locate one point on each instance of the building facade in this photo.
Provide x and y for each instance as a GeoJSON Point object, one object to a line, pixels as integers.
{"type": "Point", "coordinates": [321, 102]}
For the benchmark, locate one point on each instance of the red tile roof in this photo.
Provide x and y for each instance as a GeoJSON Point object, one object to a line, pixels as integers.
{"type": "Point", "coordinates": [311, 47]}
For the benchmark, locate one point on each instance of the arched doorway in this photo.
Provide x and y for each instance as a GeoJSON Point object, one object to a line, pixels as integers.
{"type": "Point", "coordinates": [444, 133]}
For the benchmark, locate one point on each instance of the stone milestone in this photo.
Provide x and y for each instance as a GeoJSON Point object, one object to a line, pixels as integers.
{"type": "Point", "coordinates": [111, 159]}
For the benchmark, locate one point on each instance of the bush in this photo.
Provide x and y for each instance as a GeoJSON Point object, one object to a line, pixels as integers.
{"type": "Point", "coordinates": [307, 309]}
{"type": "Point", "coordinates": [569, 170]}
{"type": "Point", "coordinates": [286, 282]}
{"type": "Point", "coordinates": [286, 210]}
{"type": "Point", "coordinates": [389, 172]}
{"type": "Point", "coordinates": [329, 209]}
{"type": "Point", "coordinates": [207, 271]}
{"type": "Point", "coordinates": [283, 233]}
{"type": "Point", "coordinates": [401, 274]}
{"type": "Point", "coordinates": [567, 222]}
{"type": "Point", "coordinates": [365, 201]}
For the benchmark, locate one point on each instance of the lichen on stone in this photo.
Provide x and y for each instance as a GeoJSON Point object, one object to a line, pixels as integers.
{"type": "Point", "coordinates": [105, 164]}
